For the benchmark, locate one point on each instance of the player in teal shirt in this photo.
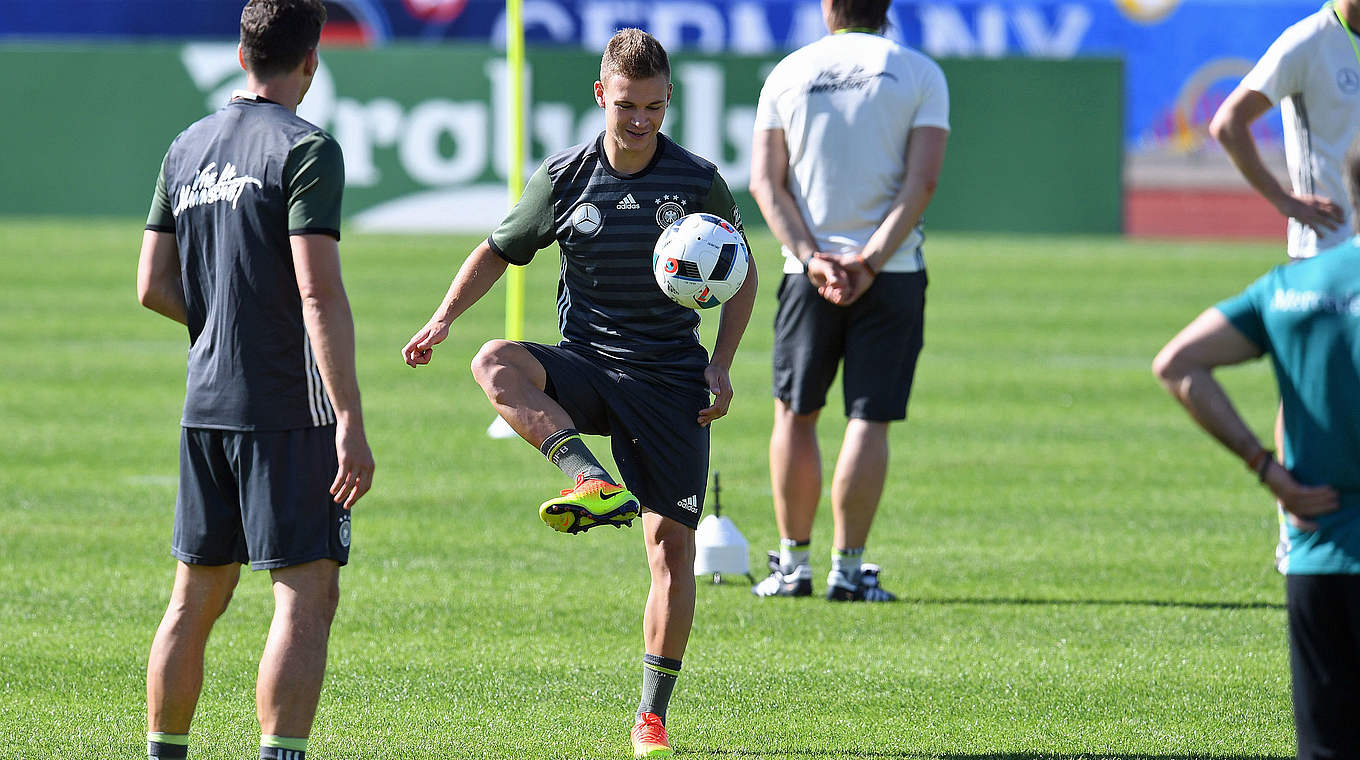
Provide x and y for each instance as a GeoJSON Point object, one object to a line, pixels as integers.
{"type": "Point", "coordinates": [1306, 316]}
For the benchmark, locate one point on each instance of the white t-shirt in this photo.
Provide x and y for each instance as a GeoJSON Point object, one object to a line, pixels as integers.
{"type": "Point", "coordinates": [846, 104]}
{"type": "Point", "coordinates": [1311, 71]}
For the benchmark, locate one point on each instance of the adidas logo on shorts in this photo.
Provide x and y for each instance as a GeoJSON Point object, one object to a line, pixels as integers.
{"type": "Point", "coordinates": [690, 503]}
{"type": "Point", "coordinates": [628, 204]}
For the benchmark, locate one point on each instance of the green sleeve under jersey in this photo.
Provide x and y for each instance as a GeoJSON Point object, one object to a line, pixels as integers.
{"type": "Point", "coordinates": [719, 202]}
{"type": "Point", "coordinates": [314, 174]}
{"type": "Point", "coordinates": [162, 217]}
{"type": "Point", "coordinates": [528, 228]}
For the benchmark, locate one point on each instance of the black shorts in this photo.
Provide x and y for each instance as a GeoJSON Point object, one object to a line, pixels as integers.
{"type": "Point", "coordinates": [261, 497]}
{"type": "Point", "coordinates": [879, 336]}
{"type": "Point", "coordinates": [1324, 659]}
{"type": "Point", "coordinates": [657, 441]}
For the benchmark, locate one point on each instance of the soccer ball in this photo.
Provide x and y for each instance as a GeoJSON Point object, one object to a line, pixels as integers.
{"type": "Point", "coordinates": [700, 261]}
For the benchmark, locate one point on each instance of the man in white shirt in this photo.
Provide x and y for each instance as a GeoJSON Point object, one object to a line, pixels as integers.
{"type": "Point", "coordinates": [1313, 72]}
{"type": "Point", "coordinates": [849, 139]}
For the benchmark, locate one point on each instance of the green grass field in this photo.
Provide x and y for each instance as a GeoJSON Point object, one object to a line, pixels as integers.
{"type": "Point", "coordinates": [1085, 574]}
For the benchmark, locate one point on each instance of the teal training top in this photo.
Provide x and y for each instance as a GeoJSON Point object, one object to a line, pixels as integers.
{"type": "Point", "coordinates": [1306, 315]}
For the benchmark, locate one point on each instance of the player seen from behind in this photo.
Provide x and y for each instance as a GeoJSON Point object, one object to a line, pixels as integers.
{"type": "Point", "coordinates": [242, 246]}
{"type": "Point", "coordinates": [849, 140]}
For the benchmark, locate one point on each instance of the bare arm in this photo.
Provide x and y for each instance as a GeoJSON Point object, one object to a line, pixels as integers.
{"type": "Point", "coordinates": [736, 314]}
{"type": "Point", "coordinates": [159, 287]}
{"type": "Point", "coordinates": [482, 268]}
{"type": "Point", "coordinates": [925, 158]}
{"type": "Point", "coordinates": [1231, 126]}
{"type": "Point", "coordinates": [770, 187]}
{"type": "Point", "coordinates": [330, 328]}
{"type": "Point", "coordinates": [1185, 367]}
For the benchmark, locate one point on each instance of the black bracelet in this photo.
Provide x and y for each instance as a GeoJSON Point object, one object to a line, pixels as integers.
{"type": "Point", "coordinates": [1264, 467]}
{"type": "Point", "coordinates": [869, 267]}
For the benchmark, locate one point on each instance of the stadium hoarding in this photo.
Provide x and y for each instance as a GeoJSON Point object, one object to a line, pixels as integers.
{"type": "Point", "coordinates": [424, 130]}
{"type": "Point", "coordinates": [1179, 60]}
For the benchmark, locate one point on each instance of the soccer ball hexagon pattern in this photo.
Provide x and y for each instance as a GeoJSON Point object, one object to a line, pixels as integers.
{"type": "Point", "coordinates": [700, 261]}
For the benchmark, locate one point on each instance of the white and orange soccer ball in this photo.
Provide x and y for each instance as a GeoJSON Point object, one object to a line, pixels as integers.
{"type": "Point", "coordinates": [700, 261]}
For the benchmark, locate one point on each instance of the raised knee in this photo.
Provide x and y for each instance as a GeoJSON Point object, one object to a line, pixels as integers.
{"type": "Point", "coordinates": [496, 367]}
{"type": "Point", "coordinates": [490, 359]}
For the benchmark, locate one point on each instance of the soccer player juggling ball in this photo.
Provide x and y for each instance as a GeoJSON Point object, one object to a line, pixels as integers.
{"type": "Point", "coordinates": [630, 364]}
{"type": "Point", "coordinates": [241, 246]}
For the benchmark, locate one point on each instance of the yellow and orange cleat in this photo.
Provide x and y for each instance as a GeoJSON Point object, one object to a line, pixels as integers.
{"type": "Point", "coordinates": [649, 737]}
{"type": "Point", "coordinates": [590, 504]}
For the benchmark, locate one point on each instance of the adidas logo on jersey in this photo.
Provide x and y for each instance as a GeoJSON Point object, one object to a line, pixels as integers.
{"type": "Point", "coordinates": [628, 204]}
{"type": "Point", "coordinates": [690, 503]}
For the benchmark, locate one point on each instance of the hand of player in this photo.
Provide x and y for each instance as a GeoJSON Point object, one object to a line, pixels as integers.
{"type": "Point", "coordinates": [826, 274]}
{"type": "Point", "coordinates": [1300, 502]}
{"type": "Point", "coordinates": [1320, 213]}
{"type": "Point", "coordinates": [354, 476]}
{"type": "Point", "coordinates": [420, 348]}
{"type": "Point", "coordinates": [858, 279]}
{"type": "Point", "coordinates": [720, 385]}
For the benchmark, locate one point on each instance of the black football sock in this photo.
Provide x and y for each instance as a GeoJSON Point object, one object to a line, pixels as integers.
{"type": "Point", "coordinates": [571, 455]}
{"type": "Point", "coordinates": [283, 748]}
{"type": "Point", "coordinates": [163, 746]}
{"type": "Point", "coordinates": [658, 679]}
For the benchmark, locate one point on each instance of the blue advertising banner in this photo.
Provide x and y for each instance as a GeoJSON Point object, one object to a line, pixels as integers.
{"type": "Point", "coordinates": [1181, 56]}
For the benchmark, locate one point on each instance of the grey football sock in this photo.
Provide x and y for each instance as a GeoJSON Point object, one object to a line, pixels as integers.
{"type": "Point", "coordinates": [571, 455]}
{"type": "Point", "coordinates": [658, 679]}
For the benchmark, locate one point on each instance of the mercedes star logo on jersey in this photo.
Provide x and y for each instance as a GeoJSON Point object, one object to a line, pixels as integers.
{"type": "Point", "coordinates": [586, 219]}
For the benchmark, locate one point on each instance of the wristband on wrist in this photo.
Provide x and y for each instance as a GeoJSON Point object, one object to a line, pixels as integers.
{"type": "Point", "coordinates": [865, 261]}
{"type": "Point", "coordinates": [1260, 463]}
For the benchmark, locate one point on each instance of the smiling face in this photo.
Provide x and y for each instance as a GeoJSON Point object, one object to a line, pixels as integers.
{"type": "Point", "coordinates": [633, 112]}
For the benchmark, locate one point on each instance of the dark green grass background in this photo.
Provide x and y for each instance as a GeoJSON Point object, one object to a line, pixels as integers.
{"type": "Point", "coordinates": [1083, 573]}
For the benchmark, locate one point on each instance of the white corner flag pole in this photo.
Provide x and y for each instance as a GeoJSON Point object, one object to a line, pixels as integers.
{"type": "Point", "coordinates": [514, 283]}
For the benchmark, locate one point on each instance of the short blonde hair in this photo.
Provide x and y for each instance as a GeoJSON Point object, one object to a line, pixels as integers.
{"type": "Point", "coordinates": [635, 54]}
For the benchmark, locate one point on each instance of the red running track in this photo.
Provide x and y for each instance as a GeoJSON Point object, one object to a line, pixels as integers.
{"type": "Point", "coordinates": [1176, 213]}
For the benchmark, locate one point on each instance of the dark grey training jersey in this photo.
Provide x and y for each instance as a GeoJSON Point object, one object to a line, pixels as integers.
{"type": "Point", "coordinates": [606, 224]}
{"type": "Point", "coordinates": [232, 188]}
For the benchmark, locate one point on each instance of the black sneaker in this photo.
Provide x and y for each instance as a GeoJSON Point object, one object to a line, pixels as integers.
{"type": "Point", "coordinates": [866, 589]}
{"type": "Point", "coordinates": [797, 582]}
